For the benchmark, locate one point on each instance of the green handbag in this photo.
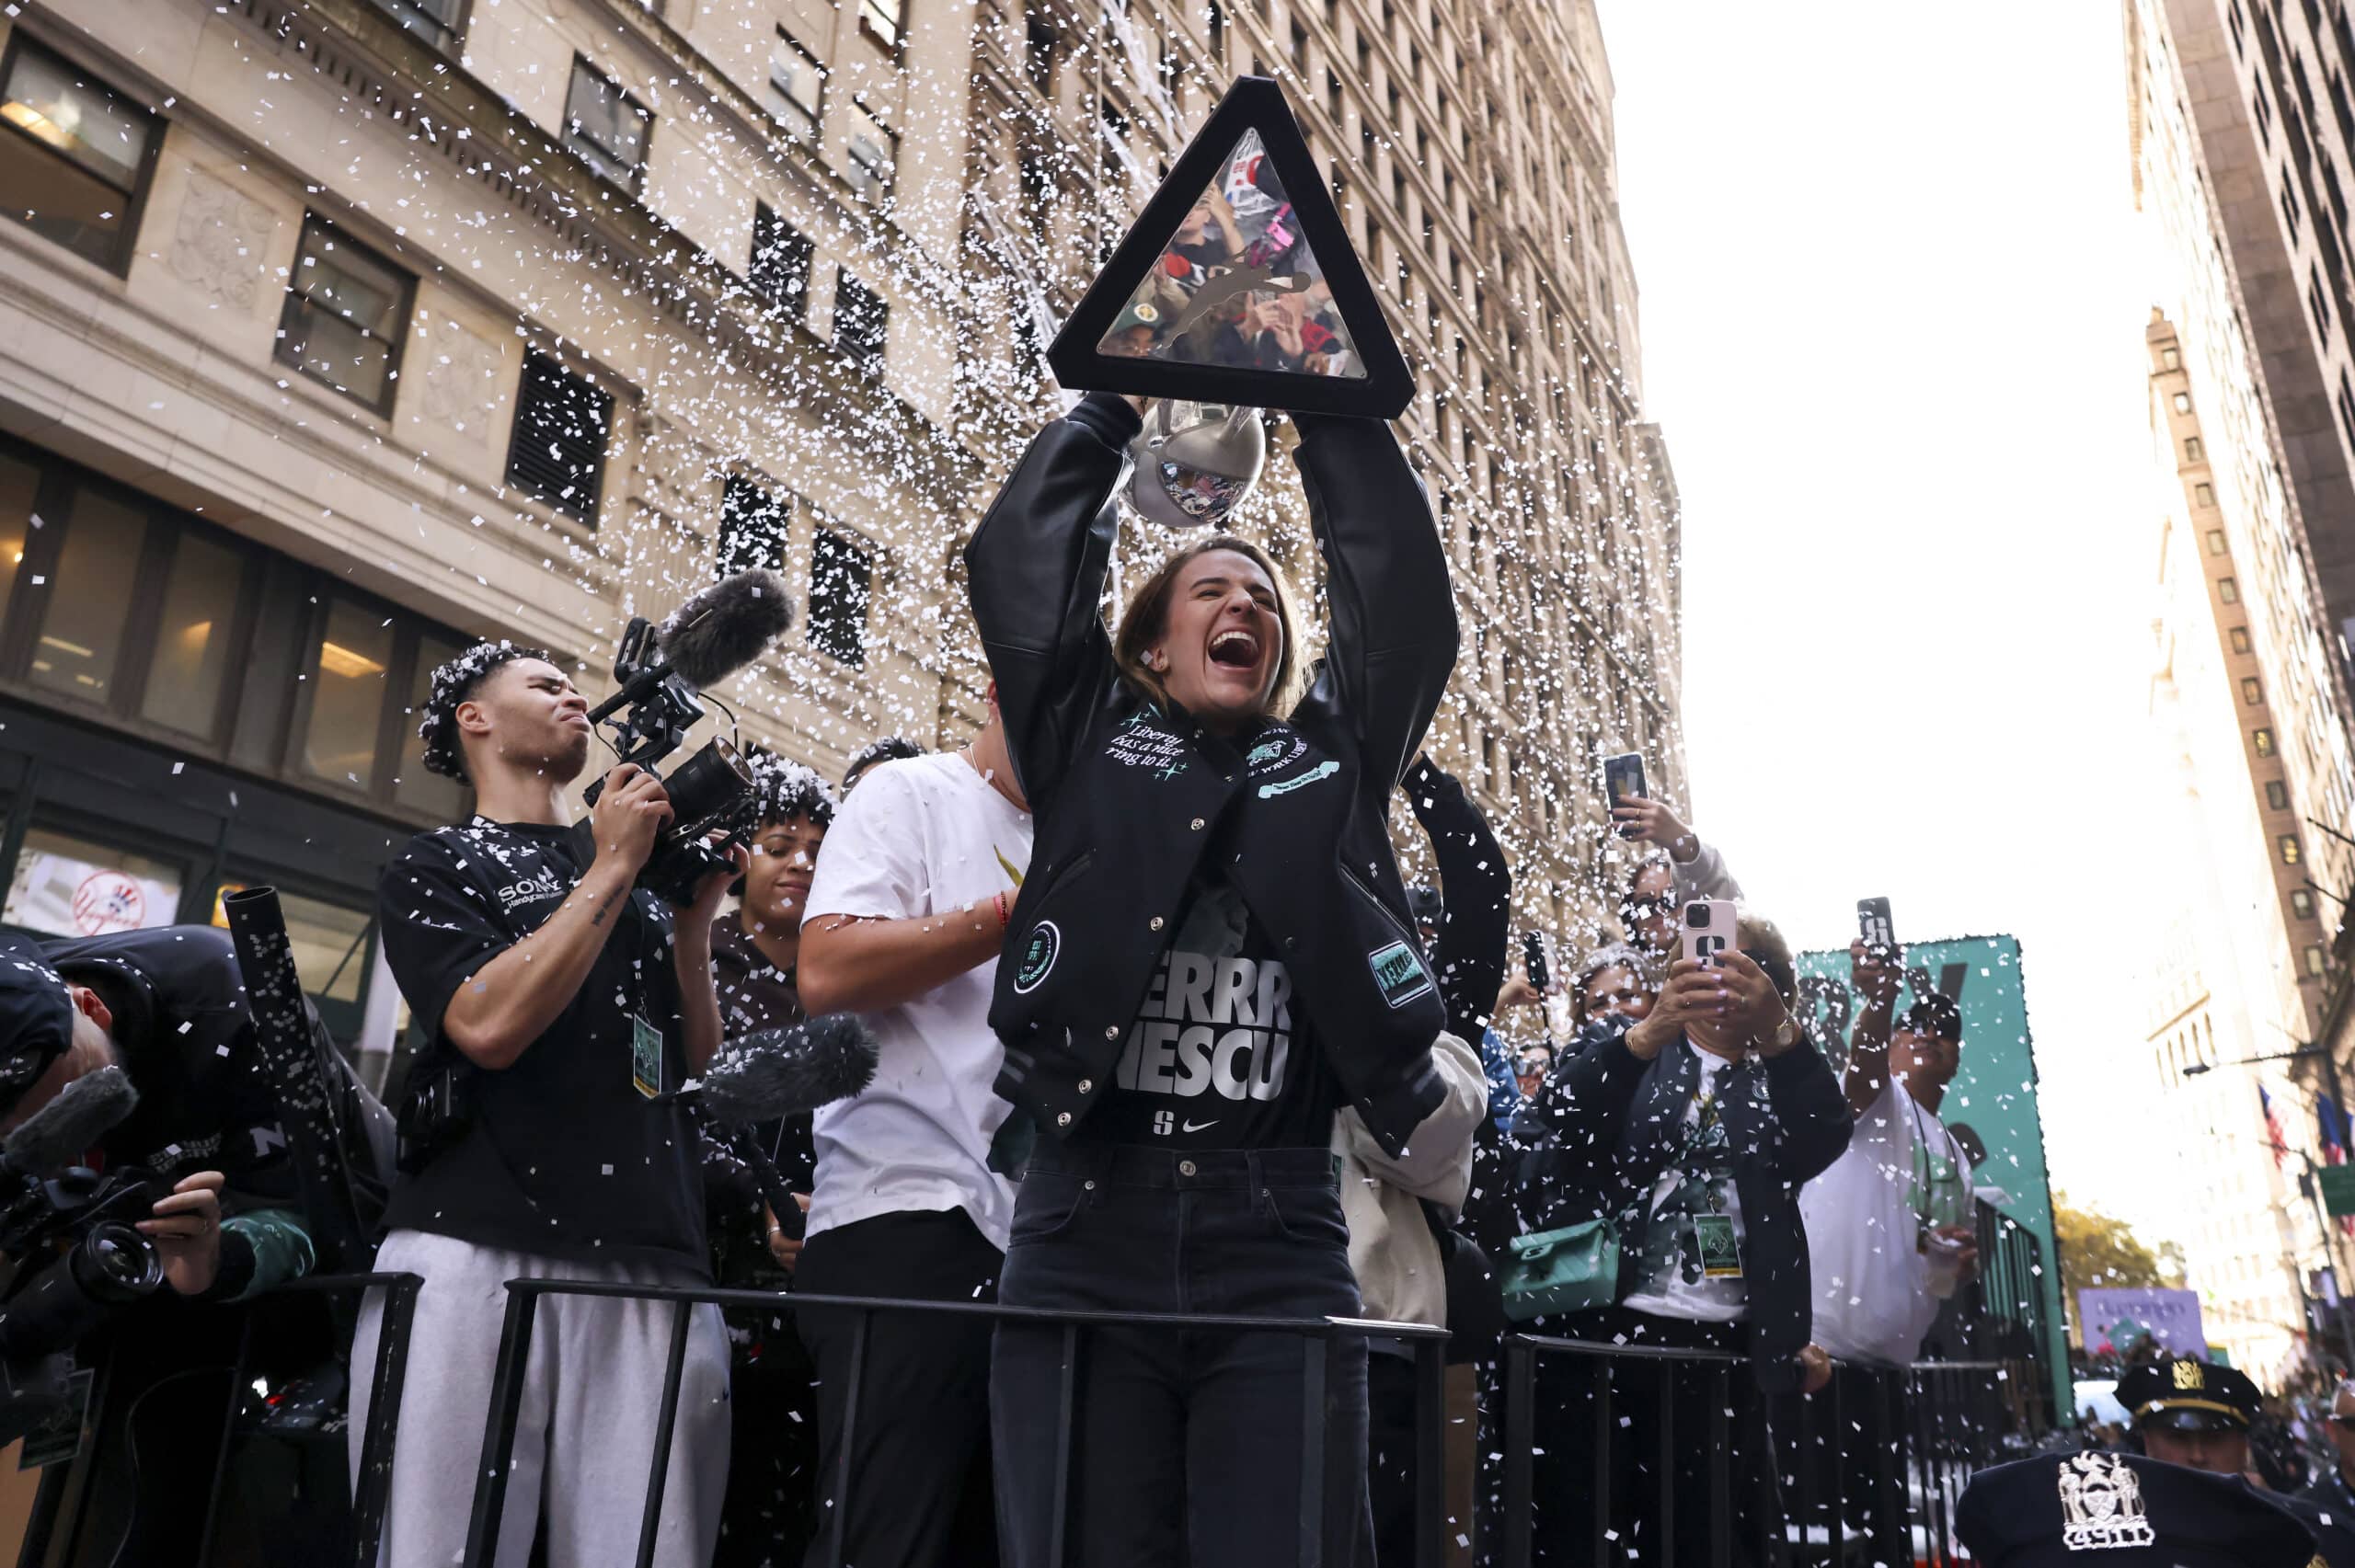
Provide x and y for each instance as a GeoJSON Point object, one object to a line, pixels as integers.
{"type": "Point", "coordinates": [1567, 1270]}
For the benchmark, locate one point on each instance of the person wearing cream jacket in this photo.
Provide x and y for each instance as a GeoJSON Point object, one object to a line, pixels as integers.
{"type": "Point", "coordinates": [1395, 1255]}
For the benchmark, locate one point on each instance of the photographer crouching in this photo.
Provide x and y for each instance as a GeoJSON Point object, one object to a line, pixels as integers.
{"type": "Point", "coordinates": [559, 1000]}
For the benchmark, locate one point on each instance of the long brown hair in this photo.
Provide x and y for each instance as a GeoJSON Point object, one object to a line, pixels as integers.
{"type": "Point", "coordinates": [1147, 619]}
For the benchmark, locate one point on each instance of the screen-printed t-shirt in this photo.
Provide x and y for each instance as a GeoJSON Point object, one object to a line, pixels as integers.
{"type": "Point", "coordinates": [563, 1156]}
{"type": "Point", "coordinates": [1219, 1057]}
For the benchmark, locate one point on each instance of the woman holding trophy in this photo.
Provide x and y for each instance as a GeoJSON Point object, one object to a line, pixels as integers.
{"type": "Point", "coordinates": [1211, 958]}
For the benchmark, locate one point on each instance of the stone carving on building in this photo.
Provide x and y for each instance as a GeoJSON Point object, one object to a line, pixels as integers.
{"type": "Point", "coordinates": [461, 377]}
{"type": "Point", "coordinates": [222, 242]}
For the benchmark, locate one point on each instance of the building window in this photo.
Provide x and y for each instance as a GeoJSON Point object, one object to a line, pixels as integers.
{"type": "Point", "coordinates": [2204, 494]}
{"type": "Point", "coordinates": [604, 127]}
{"type": "Point", "coordinates": [343, 731]}
{"type": "Point", "coordinates": [343, 317]}
{"type": "Point", "coordinates": [862, 323]}
{"type": "Point", "coordinates": [558, 455]}
{"type": "Point", "coordinates": [2315, 959]}
{"type": "Point", "coordinates": [189, 670]}
{"type": "Point", "coordinates": [2252, 693]}
{"type": "Point", "coordinates": [86, 618]}
{"type": "Point", "coordinates": [2228, 591]}
{"type": "Point", "coordinates": [796, 86]}
{"type": "Point", "coordinates": [2263, 740]}
{"type": "Point", "coordinates": [2288, 844]}
{"type": "Point", "coordinates": [885, 21]}
{"type": "Point", "coordinates": [435, 21]}
{"type": "Point", "coordinates": [2194, 450]}
{"type": "Point", "coordinates": [2215, 538]}
{"type": "Point", "coordinates": [2170, 359]}
{"type": "Point", "coordinates": [2183, 403]}
{"type": "Point", "coordinates": [2277, 794]}
{"type": "Point", "coordinates": [842, 582]}
{"type": "Point", "coordinates": [2301, 903]}
{"type": "Point", "coordinates": [440, 798]}
{"type": "Point", "coordinates": [751, 527]}
{"type": "Point", "coordinates": [72, 887]}
{"type": "Point", "coordinates": [2239, 636]}
{"type": "Point", "coordinates": [73, 167]}
{"type": "Point", "coordinates": [780, 270]}
{"type": "Point", "coordinates": [874, 150]}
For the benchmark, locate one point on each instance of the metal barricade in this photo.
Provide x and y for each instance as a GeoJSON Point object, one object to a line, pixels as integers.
{"type": "Point", "coordinates": [368, 1496]}
{"type": "Point", "coordinates": [1326, 1500]}
{"type": "Point", "coordinates": [1869, 1467]}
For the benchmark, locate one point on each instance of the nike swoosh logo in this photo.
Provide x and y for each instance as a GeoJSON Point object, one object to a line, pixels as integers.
{"type": "Point", "coordinates": [1198, 1127]}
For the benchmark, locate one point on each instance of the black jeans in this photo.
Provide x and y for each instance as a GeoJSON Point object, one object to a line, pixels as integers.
{"type": "Point", "coordinates": [1640, 1393]}
{"type": "Point", "coordinates": [1189, 1445]}
{"type": "Point", "coordinates": [920, 1456]}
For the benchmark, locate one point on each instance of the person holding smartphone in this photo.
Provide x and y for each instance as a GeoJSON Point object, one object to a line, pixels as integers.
{"type": "Point", "coordinates": [1212, 958]}
{"type": "Point", "coordinates": [1691, 1130]}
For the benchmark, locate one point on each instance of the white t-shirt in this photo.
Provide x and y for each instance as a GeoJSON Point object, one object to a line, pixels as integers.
{"type": "Point", "coordinates": [1678, 1288]}
{"type": "Point", "coordinates": [920, 837]}
{"type": "Point", "coordinates": [1864, 1217]}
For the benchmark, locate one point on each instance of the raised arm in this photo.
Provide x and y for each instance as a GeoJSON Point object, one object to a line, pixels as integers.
{"type": "Point", "coordinates": [1876, 980]}
{"type": "Point", "coordinates": [1393, 612]}
{"type": "Point", "coordinates": [1477, 884]}
{"type": "Point", "coordinates": [1037, 567]}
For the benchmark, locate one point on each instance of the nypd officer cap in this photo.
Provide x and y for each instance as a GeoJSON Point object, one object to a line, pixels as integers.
{"type": "Point", "coordinates": [2186, 1395]}
{"type": "Point", "coordinates": [2137, 1513]}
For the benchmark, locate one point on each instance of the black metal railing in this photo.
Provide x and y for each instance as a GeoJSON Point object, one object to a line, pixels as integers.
{"type": "Point", "coordinates": [1328, 1495]}
{"type": "Point", "coordinates": [1876, 1459]}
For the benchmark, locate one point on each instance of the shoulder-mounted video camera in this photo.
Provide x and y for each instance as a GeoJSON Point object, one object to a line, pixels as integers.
{"type": "Point", "coordinates": [661, 673]}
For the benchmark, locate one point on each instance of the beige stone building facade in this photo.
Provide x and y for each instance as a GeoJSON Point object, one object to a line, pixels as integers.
{"type": "Point", "coordinates": [2250, 727]}
{"type": "Point", "coordinates": [336, 333]}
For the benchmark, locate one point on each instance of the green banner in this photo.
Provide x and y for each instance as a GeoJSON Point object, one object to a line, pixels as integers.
{"type": "Point", "coordinates": [2338, 1189]}
{"type": "Point", "coordinates": [1990, 1106]}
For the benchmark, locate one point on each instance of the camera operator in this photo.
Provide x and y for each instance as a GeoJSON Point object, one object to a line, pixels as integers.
{"type": "Point", "coordinates": [769, 1513]}
{"type": "Point", "coordinates": [167, 1005]}
{"type": "Point", "coordinates": [1692, 1130]}
{"type": "Point", "coordinates": [559, 1000]}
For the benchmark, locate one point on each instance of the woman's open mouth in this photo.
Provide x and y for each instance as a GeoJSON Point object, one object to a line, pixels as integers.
{"type": "Point", "coordinates": [1236, 649]}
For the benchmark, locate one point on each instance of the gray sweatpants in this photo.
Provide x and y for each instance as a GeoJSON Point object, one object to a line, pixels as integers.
{"type": "Point", "coordinates": [592, 1390]}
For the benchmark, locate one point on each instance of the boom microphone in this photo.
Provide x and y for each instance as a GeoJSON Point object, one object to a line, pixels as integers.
{"type": "Point", "coordinates": [58, 1134]}
{"type": "Point", "coordinates": [782, 1072]}
{"type": "Point", "coordinates": [724, 627]}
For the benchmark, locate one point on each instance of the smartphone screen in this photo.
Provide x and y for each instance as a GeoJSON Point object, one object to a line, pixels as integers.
{"type": "Point", "coordinates": [1622, 777]}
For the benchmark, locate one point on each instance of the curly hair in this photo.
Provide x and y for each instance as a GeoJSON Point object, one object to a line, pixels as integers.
{"type": "Point", "coordinates": [454, 682]}
{"type": "Point", "coordinates": [784, 789]}
{"type": "Point", "coordinates": [888, 749]}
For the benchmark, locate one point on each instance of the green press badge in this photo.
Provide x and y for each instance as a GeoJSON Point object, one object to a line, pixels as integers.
{"type": "Point", "coordinates": [645, 1057]}
{"type": "Point", "coordinates": [1721, 1257]}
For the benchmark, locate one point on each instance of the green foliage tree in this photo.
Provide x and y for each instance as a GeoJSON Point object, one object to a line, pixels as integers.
{"type": "Point", "coordinates": [2098, 1251]}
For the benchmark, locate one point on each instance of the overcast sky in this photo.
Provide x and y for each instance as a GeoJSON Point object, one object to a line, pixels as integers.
{"type": "Point", "coordinates": [1892, 326]}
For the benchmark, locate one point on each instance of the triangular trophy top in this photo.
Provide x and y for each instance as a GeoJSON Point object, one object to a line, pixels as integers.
{"type": "Point", "coordinates": [1237, 284]}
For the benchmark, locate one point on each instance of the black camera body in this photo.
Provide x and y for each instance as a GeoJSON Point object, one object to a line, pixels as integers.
{"type": "Point", "coordinates": [708, 791]}
{"type": "Point", "coordinates": [79, 1258]}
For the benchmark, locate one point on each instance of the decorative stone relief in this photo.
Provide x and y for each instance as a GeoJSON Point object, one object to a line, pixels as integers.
{"type": "Point", "coordinates": [461, 375]}
{"type": "Point", "coordinates": [223, 237]}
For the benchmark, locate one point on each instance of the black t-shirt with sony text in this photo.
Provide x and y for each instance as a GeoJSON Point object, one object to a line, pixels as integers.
{"type": "Point", "coordinates": [563, 1156]}
{"type": "Point", "coordinates": [1218, 1056]}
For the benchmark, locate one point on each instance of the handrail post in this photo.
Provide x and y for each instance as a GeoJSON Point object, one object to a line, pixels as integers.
{"type": "Point", "coordinates": [666, 1421]}
{"type": "Point", "coordinates": [498, 1429]}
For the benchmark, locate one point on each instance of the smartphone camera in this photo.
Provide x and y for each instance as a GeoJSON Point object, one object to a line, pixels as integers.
{"type": "Point", "coordinates": [1696, 916]}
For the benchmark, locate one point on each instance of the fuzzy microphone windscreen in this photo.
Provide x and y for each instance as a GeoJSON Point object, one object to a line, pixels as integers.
{"type": "Point", "coordinates": [779, 1073]}
{"type": "Point", "coordinates": [720, 630]}
{"type": "Point", "coordinates": [58, 1134]}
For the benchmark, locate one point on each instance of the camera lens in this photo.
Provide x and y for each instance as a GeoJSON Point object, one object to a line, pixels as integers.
{"type": "Point", "coordinates": [1696, 915]}
{"type": "Point", "coordinates": [116, 1264]}
{"type": "Point", "coordinates": [708, 785]}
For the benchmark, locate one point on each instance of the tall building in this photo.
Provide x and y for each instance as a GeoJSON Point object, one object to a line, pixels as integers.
{"type": "Point", "coordinates": [336, 333]}
{"type": "Point", "coordinates": [2249, 716]}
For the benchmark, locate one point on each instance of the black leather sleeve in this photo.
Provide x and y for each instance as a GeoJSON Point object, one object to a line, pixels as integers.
{"type": "Point", "coordinates": [1567, 1135]}
{"type": "Point", "coordinates": [1393, 612]}
{"type": "Point", "coordinates": [1037, 567]}
{"type": "Point", "coordinates": [1478, 888]}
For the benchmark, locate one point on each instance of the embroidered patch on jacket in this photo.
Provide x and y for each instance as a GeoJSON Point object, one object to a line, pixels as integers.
{"type": "Point", "coordinates": [1038, 956]}
{"type": "Point", "coordinates": [2101, 1504]}
{"type": "Point", "coordinates": [1321, 772]}
{"type": "Point", "coordinates": [1400, 973]}
{"type": "Point", "coordinates": [1278, 750]}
